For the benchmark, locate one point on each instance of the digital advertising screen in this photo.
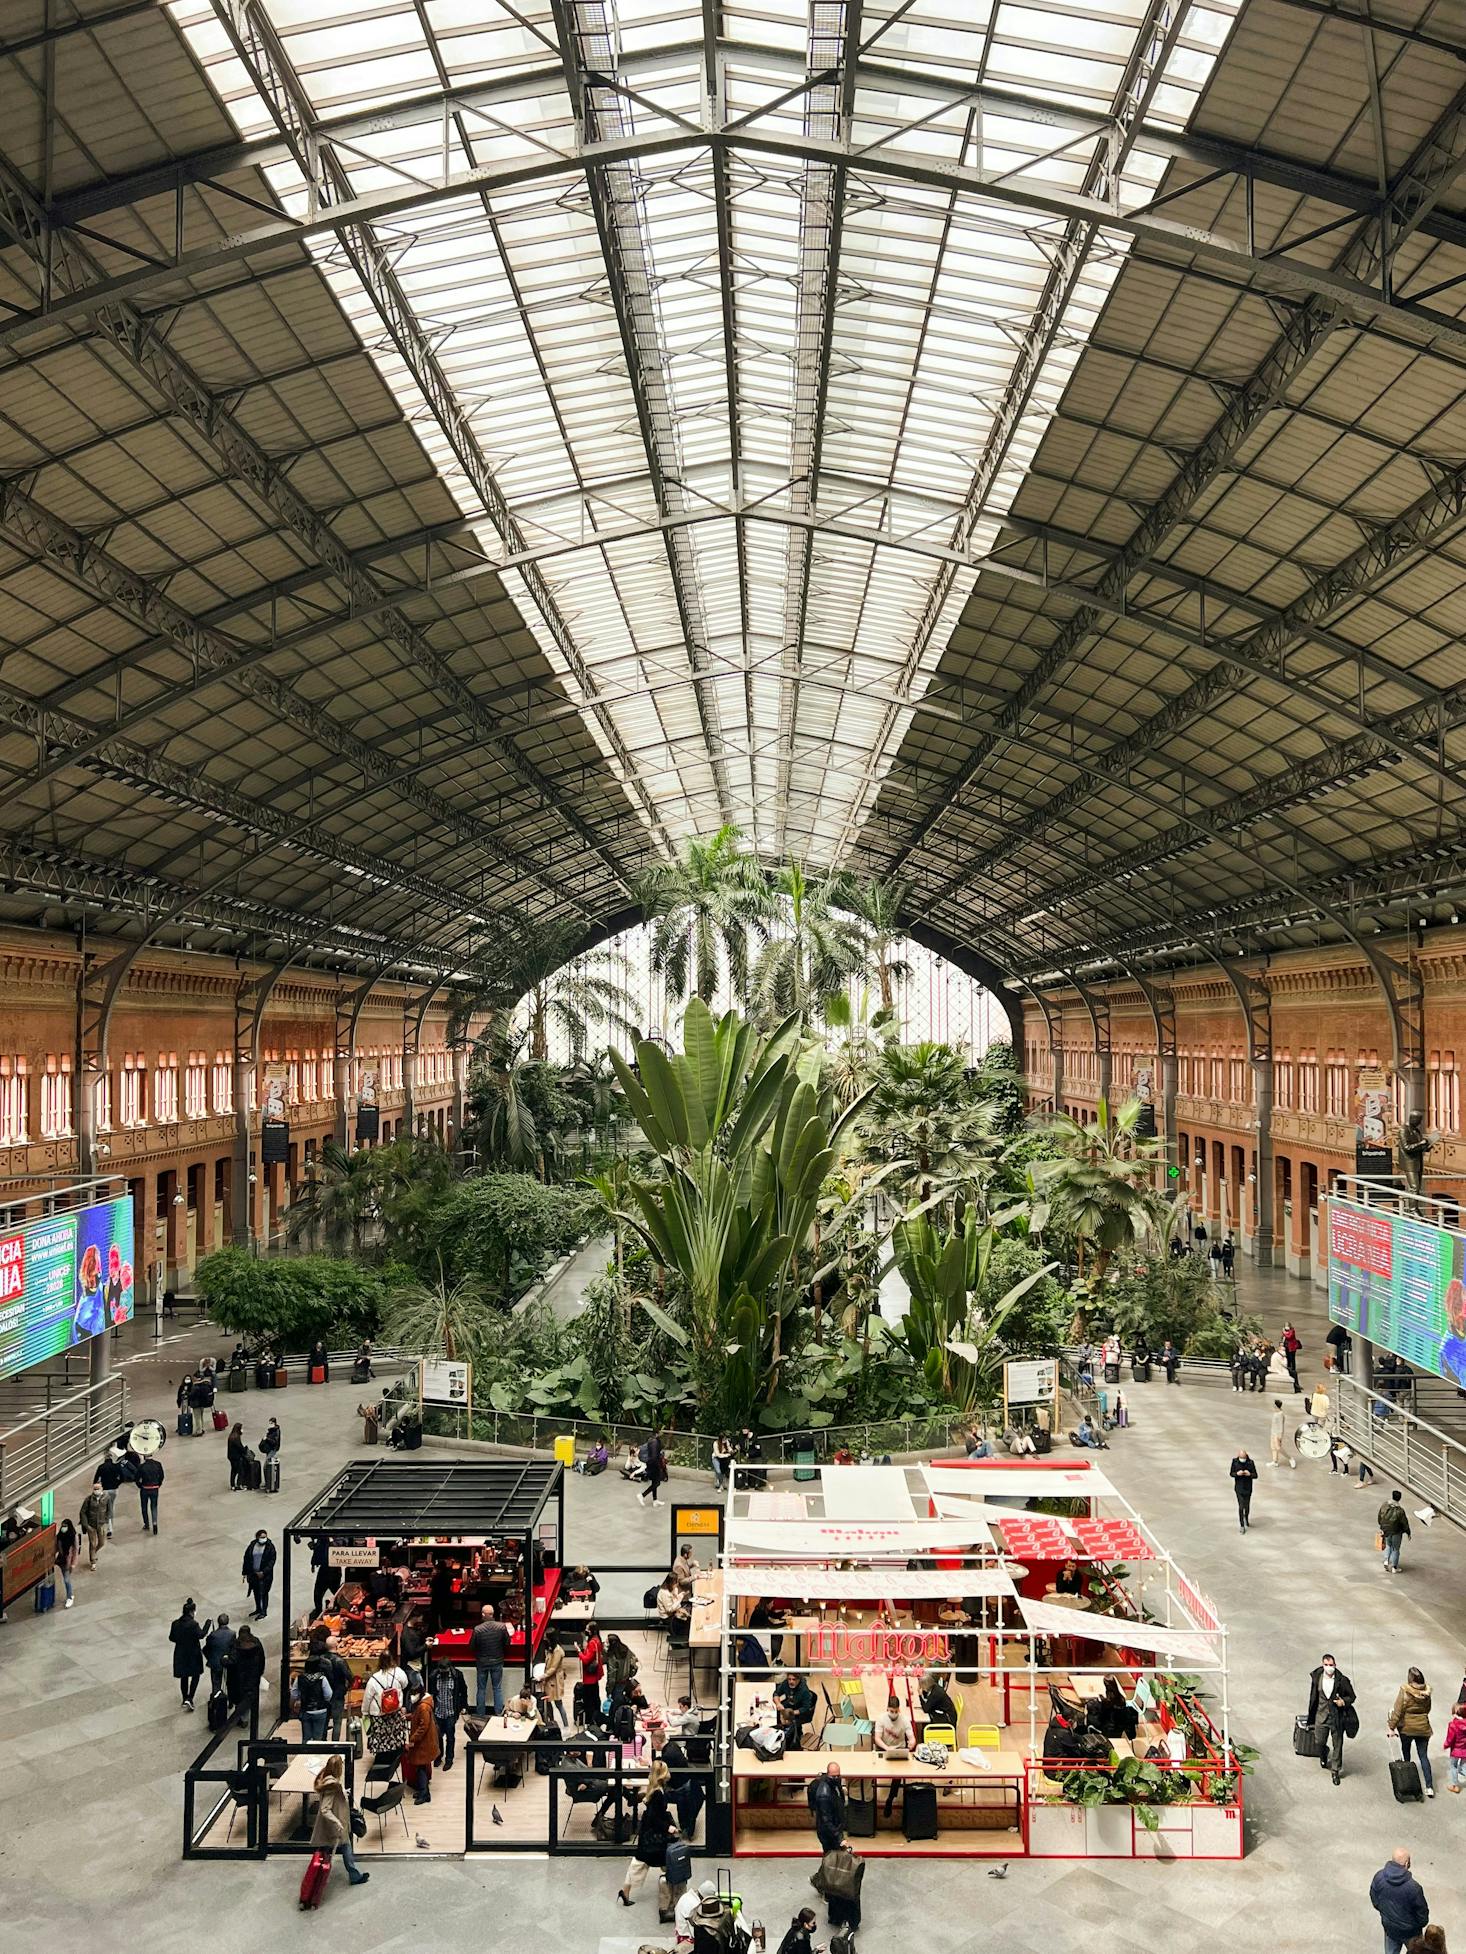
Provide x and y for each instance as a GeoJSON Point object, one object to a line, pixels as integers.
{"type": "Point", "coordinates": [1402, 1284]}
{"type": "Point", "coordinates": [64, 1279]}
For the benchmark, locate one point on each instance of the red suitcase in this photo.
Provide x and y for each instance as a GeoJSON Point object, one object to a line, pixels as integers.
{"type": "Point", "coordinates": [318, 1374]}
{"type": "Point", "coordinates": [221, 1421]}
{"type": "Point", "coordinates": [313, 1885]}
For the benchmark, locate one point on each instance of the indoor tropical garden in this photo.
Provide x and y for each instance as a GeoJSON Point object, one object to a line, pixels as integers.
{"type": "Point", "coordinates": [792, 1215]}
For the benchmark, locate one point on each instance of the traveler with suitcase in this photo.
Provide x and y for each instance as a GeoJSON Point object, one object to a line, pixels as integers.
{"type": "Point", "coordinates": [270, 1456]}
{"type": "Point", "coordinates": [259, 1572]}
{"type": "Point", "coordinates": [318, 1369]}
{"type": "Point", "coordinates": [1332, 1714]}
{"type": "Point", "coordinates": [1409, 1720]}
{"type": "Point", "coordinates": [236, 1451]}
{"type": "Point", "coordinates": [182, 1399]}
{"type": "Point", "coordinates": [838, 1881]}
{"type": "Point", "coordinates": [653, 1834]}
{"type": "Point", "coordinates": [334, 1826]}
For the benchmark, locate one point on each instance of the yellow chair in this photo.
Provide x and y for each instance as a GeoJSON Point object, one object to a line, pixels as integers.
{"type": "Point", "coordinates": [983, 1736]}
{"type": "Point", "coordinates": [940, 1733]}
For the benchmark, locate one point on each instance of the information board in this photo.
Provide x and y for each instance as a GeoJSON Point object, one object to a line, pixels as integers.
{"type": "Point", "coordinates": [1399, 1282]}
{"type": "Point", "coordinates": [63, 1279]}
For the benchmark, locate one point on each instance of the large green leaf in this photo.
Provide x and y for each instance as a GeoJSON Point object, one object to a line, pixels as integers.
{"type": "Point", "coordinates": [664, 1090]}
{"type": "Point", "coordinates": [668, 1324]}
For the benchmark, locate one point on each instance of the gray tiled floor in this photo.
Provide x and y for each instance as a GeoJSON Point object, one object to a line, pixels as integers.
{"type": "Point", "coordinates": [92, 1745]}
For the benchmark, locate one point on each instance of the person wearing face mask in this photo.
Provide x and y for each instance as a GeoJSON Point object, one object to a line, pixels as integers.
{"type": "Point", "coordinates": [258, 1570]}
{"type": "Point", "coordinates": [1332, 1713]}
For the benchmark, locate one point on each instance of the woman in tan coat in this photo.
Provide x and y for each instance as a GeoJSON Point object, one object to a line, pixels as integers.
{"type": "Point", "coordinates": [422, 1749]}
{"type": "Point", "coordinates": [333, 1817]}
{"type": "Point", "coordinates": [1410, 1722]}
{"type": "Point", "coordinates": [552, 1684]}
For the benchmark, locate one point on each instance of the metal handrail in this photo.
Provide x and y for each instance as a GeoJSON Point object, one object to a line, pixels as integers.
{"type": "Point", "coordinates": [44, 1448]}
{"type": "Point", "coordinates": [1401, 1445]}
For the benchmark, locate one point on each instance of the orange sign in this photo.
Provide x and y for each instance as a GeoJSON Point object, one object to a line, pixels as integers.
{"type": "Point", "coordinates": [697, 1520]}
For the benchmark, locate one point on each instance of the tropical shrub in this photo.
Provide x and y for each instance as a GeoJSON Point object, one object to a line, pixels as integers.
{"type": "Point", "coordinates": [290, 1302]}
{"type": "Point", "coordinates": [501, 1231]}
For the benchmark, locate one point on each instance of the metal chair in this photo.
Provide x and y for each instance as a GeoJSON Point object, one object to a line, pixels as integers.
{"type": "Point", "coordinates": [391, 1800]}
{"type": "Point", "coordinates": [940, 1733]}
{"type": "Point", "coordinates": [982, 1736]}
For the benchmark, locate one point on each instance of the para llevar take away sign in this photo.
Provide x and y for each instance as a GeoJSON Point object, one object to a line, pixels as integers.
{"type": "Point", "coordinates": [355, 1556]}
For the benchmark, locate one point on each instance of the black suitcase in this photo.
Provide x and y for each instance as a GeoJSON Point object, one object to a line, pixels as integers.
{"type": "Point", "coordinates": [919, 1811]}
{"type": "Point", "coordinates": [264, 1375]}
{"type": "Point", "coordinates": [1306, 1742]}
{"type": "Point", "coordinates": [272, 1474]}
{"type": "Point", "coordinates": [253, 1474]}
{"type": "Point", "coordinates": [1405, 1782]}
{"type": "Point", "coordinates": [860, 1813]}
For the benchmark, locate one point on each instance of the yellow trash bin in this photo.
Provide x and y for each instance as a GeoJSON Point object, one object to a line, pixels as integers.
{"type": "Point", "coordinates": [565, 1452]}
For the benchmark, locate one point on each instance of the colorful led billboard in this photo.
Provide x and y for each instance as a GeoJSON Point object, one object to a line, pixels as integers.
{"type": "Point", "coordinates": [1399, 1282]}
{"type": "Point", "coordinates": [64, 1279]}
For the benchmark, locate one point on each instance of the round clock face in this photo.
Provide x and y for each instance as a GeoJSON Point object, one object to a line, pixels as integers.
{"type": "Point", "coordinates": [147, 1437]}
{"type": "Point", "coordinates": [1312, 1441]}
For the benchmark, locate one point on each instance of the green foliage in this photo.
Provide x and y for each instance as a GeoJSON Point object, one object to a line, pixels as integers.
{"type": "Point", "coordinates": [954, 1346]}
{"type": "Point", "coordinates": [1000, 1087]}
{"type": "Point", "coordinates": [1038, 1318]}
{"type": "Point", "coordinates": [1099, 1181]}
{"type": "Point", "coordinates": [709, 902]}
{"type": "Point", "coordinates": [925, 1110]}
{"type": "Point", "coordinates": [440, 1319]}
{"type": "Point", "coordinates": [500, 1231]}
{"type": "Point", "coordinates": [1156, 1297]}
{"type": "Point", "coordinates": [821, 947]}
{"type": "Point", "coordinates": [519, 1109]}
{"type": "Point", "coordinates": [290, 1301]}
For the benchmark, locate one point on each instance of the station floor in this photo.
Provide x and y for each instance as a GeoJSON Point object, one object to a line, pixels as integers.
{"type": "Point", "coordinates": [93, 1745]}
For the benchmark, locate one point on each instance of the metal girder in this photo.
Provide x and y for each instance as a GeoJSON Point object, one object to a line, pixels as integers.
{"type": "Point", "coordinates": [1264, 650]}
{"type": "Point", "coordinates": [269, 69]}
{"type": "Point", "coordinates": [1283, 271]}
{"type": "Point", "coordinates": [251, 994]}
{"type": "Point", "coordinates": [67, 740]}
{"type": "Point", "coordinates": [1068, 256]}
{"type": "Point", "coordinates": [832, 34]}
{"type": "Point", "coordinates": [218, 657]}
{"type": "Point", "coordinates": [1338, 763]}
{"type": "Point", "coordinates": [185, 394]}
{"type": "Point", "coordinates": [1413, 196]}
{"type": "Point", "coordinates": [589, 56]}
{"type": "Point", "coordinates": [414, 1016]}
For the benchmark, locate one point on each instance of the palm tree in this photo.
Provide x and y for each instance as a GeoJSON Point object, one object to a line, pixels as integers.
{"type": "Point", "coordinates": [439, 1319]}
{"type": "Point", "coordinates": [852, 1059]}
{"type": "Point", "coordinates": [556, 987]}
{"type": "Point", "coordinates": [338, 1199]}
{"type": "Point", "coordinates": [711, 900]}
{"type": "Point", "coordinates": [1100, 1183]}
{"type": "Point", "coordinates": [878, 905]}
{"type": "Point", "coordinates": [924, 1108]}
{"type": "Point", "coordinates": [822, 949]}
{"type": "Point", "coordinates": [519, 1106]}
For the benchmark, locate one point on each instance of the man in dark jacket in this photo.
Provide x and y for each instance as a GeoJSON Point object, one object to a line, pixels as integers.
{"type": "Point", "coordinates": [258, 1569]}
{"type": "Point", "coordinates": [109, 1478]}
{"type": "Point", "coordinates": [1332, 1713]}
{"type": "Point", "coordinates": [217, 1644]}
{"type": "Point", "coordinates": [1396, 1896]}
{"type": "Point", "coordinates": [150, 1477]}
{"type": "Point", "coordinates": [244, 1671]}
{"type": "Point", "coordinates": [1394, 1526]}
{"type": "Point", "coordinates": [1244, 1477]}
{"type": "Point", "coordinates": [827, 1801]}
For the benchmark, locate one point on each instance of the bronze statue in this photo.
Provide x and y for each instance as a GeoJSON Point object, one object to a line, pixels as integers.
{"type": "Point", "coordinates": [1413, 1148]}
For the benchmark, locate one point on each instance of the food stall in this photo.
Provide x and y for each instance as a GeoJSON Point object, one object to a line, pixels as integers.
{"type": "Point", "coordinates": [1084, 1709]}
{"type": "Point", "coordinates": [433, 1539]}
{"type": "Point", "coordinates": [27, 1553]}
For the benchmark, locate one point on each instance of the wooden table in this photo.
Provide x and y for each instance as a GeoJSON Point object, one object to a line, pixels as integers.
{"type": "Point", "coordinates": [705, 1629]}
{"type": "Point", "coordinates": [573, 1612]}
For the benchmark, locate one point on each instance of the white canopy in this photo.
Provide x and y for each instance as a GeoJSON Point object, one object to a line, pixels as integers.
{"type": "Point", "coordinates": [843, 1540]}
{"type": "Point", "coordinates": [857, 1492]}
{"type": "Point", "coordinates": [1186, 1644]}
{"type": "Point", "coordinates": [1019, 1481]}
{"type": "Point", "coordinates": [868, 1584]}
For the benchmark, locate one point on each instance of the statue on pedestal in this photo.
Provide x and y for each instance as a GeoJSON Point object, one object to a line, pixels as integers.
{"type": "Point", "coordinates": [1414, 1146]}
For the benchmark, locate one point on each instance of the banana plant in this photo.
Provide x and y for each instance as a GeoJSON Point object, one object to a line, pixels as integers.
{"type": "Point", "coordinates": [745, 1139]}
{"type": "Point", "coordinates": [953, 1346]}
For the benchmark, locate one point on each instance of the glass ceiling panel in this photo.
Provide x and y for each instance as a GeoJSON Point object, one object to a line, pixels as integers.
{"type": "Point", "coordinates": [747, 423]}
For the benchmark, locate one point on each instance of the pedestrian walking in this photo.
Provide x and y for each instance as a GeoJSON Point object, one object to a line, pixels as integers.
{"type": "Point", "coordinates": [1292, 1344]}
{"type": "Point", "coordinates": [826, 1796]}
{"type": "Point", "coordinates": [1214, 1261]}
{"type": "Point", "coordinates": [93, 1517]}
{"type": "Point", "coordinates": [332, 1828]}
{"type": "Point", "coordinates": [109, 1478]}
{"type": "Point", "coordinates": [1397, 1897]}
{"type": "Point", "coordinates": [422, 1747]}
{"type": "Point", "coordinates": [1456, 1745]}
{"type": "Point", "coordinates": [67, 1547]}
{"type": "Point", "coordinates": [450, 1700]}
{"type": "Point", "coordinates": [187, 1638]}
{"type": "Point", "coordinates": [489, 1644]}
{"type": "Point", "coordinates": [1394, 1530]}
{"type": "Point", "coordinates": [1229, 1258]}
{"type": "Point", "coordinates": [1332, 1712]}
{"type": "Point", "coordinates": [1318, 1403]}
{"type": "Point", "coordinates": [1244, 1477]}
{"type": "Point", "coordinates": [1409, 1720]}
{"type": "Point", "coordinates": [1277, 1436]}
{"type": "Point", "coordinates": [313, 1694]}
{"type": "Point", "coordinates": [217, 1644]}
{"type": "Point", "coordinates": [654, 1458]}
{"type": "Point", "coordinates": [244, 1671]}
{"type": "Point", "coordinates": [258, 1571]}
{"type": "Point", "coordinates": [150, 1477]}
{"type": "Point", "coordinates": [653, 1834]}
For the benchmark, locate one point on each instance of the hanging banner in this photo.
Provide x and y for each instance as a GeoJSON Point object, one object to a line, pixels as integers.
{"type": "Point", "coordinates": [368, 1114]}
{"type": "Point", "coordinates": [1145, 1127]}
{"type": "Point", "coordinates": [1374, 1152]}
{"type": "Point", "coordinates": [274, 1117]}
{"type": "Point", "coordinates": [354, 1556]}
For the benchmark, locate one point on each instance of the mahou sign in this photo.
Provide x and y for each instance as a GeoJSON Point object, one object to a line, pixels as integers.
{"type": "Point", "coordinates": [878, 1648]}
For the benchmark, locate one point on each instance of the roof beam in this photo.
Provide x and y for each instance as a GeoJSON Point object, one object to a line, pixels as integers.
{"type": "Point", "coordinates": [265, 62]}
{"type": "Point", "coordinates": [1414, 195]}
{"type": "Point", "coordinates": [589, 57]}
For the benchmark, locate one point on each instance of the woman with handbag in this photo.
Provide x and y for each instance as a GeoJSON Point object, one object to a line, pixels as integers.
{"type": "Point", "coordinates": [336, 1823]}
{"type": "Point", "coordinates": [653, 1833]}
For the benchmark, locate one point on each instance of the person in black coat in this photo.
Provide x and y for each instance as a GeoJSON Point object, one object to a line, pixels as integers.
{"type": "Point", "coordinates": [327, 1580]}
{"type": "Point", "coordinates": [826, 1796]}
{"type": "Point", "coordinates": [1332, 1712]}
{"type": "Point", "coordinates": [320, 1360]}
{"type": "Point", "coordinates": [258, 1569]}
{"type": "Point", "coordinates": [655, 1460]}
{"type": "Point", "coordinates": [237, 1452]}
{"type": "Point", "coordinates": [936, 1701]}
{"type": "Point", "coordinates": [653, 1832]}
{"type": "Point", "coordinates": [800, 1937]}
{"type": "Point", "coordinates": [244, 1671]}
{"type": "Point", "coordinates": [1243, 1471]}
{"type": "Point", "coordinates": [187, 1638]}
{"type": "Point", "coordinates": [216, 1650]}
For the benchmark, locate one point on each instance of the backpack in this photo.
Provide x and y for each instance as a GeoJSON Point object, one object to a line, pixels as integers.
{"type": "Point", "coordinates": [931, 1754]}
{"type": "Point", "coordinates": [644, 1452]}
{"type": "Point", "coordinates": [391, 1701]}
{"type": "Point", "coordinates": [312, 1692]}
{"type": "Point", "coordinates": [623, 1723]}
{"type": "Point", "coordinates": [842, 1943]}
{"type": "Point", "coordinates": [679, 1863]}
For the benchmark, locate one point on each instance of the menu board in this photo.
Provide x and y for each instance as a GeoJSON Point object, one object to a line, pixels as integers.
{"type": "Point", "coordinates": [63, 1279]}
{"type": "Point", "coordinates": [1399, 1282]}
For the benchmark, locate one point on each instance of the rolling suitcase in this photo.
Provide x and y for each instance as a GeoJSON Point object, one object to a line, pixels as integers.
{"type": "Point", "coordinates": [317, 1374]}
{"type": "Point", "coordinates": [1305, 1738]}
{"type": "Point", "coordinates": [313, 1885]}
{"type": "Point", "coordinates": [185, 1423]}
{"type": "Point", "coordinates": [919, 1811]}
{"type": "Point", "coordinates": [221, 1421]}
{"type": "Point", "coordinates": [282, 1378]}
{"type": "Point", "coordinates": [264, 1376]}
{"type": "Point", "coordinates": [1405, 1782]}
{"type": "Point", "coordinates": [253, 1476]}
{"type": "Point", "coordinates": [218, 1710]}
{"type": "Point", "coordinates": [272, 1474]}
